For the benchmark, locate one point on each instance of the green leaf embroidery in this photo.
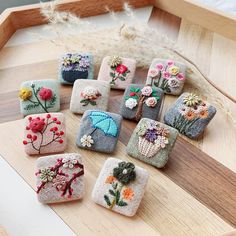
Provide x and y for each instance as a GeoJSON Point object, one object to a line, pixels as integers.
{"type": "Point", "coordinates": [132, 89]}
{"type": "Point", "coordinates": [31, 106]}
{"type": "Point", "coordinates": [121, 203]}
{"type": "Point", "coordinates": [112, 74]}
{"type": "Point", "coordinates": [137, 90]}
{"type": "Point", "coordinates": [93, 103]}
{"type": "Point", "coordinates": [117, 196]}
{"type": "Point", "coordinates": [52, 101]}
{"type": "Point", "coordinates": [114, 185]}
{"type": "Point", "coordinates": [106, 198]}
{"type": "Point", "coordinates": [112, 192]}
{"type": "Point", "coordinates": [122, 78]}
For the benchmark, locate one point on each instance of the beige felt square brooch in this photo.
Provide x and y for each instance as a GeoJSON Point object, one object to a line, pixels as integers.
{"type": "Point", "coordinates": [120, 186]}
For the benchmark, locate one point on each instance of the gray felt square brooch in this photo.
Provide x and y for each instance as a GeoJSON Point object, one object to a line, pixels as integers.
{"type": "Point", "coordinates": [39, 96]}
{"type": "Point", "coordinates": [152, 142]}
{"type": "Point", "coordinates": [168, 75]}
{"type": "Point", "coordinates": [120, 186]}
{"type": "Point", "coordinates": [59, 178]}
{"type": "Point", "coordinates": [190, 115]}
{"type": "Point", "coordinates": [99, 131]}
{"type": "Point", "coordinates": [75, 66]}
{"type": "Point", "coordinates": [141, 101]}
{"type": "Point", "coordinates": [89, 94]}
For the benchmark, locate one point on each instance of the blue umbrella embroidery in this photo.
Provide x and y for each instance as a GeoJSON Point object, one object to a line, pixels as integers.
{"type": "Point", "coordinates": [104, 122]}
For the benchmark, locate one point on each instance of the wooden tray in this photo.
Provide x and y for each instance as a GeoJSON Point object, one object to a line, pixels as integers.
{"type": "Point", "coordinates": [195, 194]}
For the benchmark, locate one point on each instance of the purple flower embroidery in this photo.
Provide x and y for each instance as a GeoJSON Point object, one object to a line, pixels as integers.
{"type": "Point", "coordinates": [151, 135]}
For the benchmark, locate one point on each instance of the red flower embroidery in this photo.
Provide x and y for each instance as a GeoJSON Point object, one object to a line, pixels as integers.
{"type": "Point", "coordinates": [121, 69]}
{"type": "Point", "coordinates": [37, 125]}
{"type": "Point", "coordinates": [45, 93]}
{"type": "Point", "coordinates": [132, 94]}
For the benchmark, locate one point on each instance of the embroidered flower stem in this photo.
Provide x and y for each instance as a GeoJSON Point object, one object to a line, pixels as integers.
{"type": "Point", "coordinates": [140, 108]}
{"type": "Point", "coordinates": [116, 197]}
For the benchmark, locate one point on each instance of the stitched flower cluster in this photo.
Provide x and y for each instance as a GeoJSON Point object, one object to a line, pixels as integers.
{"type": "Point", "coordinates": [190, 111]}
{"type": "Point", "coordinates": [118, 70]}
{"type": "Point", "coordinates": [58, 177]}
{"type": "Point", "coordinates": [75, 62]}
{"type": "Point", "coordinates": [90, 95]}
{"type": "Point", "coordinates": [119, 193]}
{"type": "Point", "coordinates": [37, 128]}
{"type": "Point", "coordinates": [168, 77]}
{"type": "Point", "coordinates": [38, 97]}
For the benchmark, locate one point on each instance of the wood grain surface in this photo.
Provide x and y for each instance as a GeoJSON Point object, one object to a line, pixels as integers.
{"type": "Point", "coordinates": [194, 195]}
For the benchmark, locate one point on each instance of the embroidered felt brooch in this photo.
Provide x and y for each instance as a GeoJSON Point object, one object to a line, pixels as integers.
{"type": "Point", "coordinates": [99, 131]}
{"type": "Point", "coordinates": [60, 178]}
{"type": "Point", "coordinates": [141, 101]}
{"type": "Point", "coordinates": [167, 75]}
{"type": "Point", "coordinates": [39, 96]}
{"type": "Point", "coordinates": [118, 71]}
{"type": "Point", "coordinates": [44, 133]}
{"type": "Point", "coordinates": [75, 66]}
{"type": "Point", "coordinates": [120, 186]}
{"type": "Point", "coordinates": [152, 142]}
{"type": "Point", "coordinates": [190, 115]}
{"type": "Point", "coordinates": [89, 94]}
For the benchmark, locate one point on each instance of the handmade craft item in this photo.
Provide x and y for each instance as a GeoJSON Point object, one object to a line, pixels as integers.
{"type": "Point", "coordinates": [39, 96]}
{"type": "Point", "coordinates": [59, 178]}
{"type": "Point", "coordinates": [99, 131]}
{"type": "Point", "coordinates": [120, 186]}
{"type": "Point", "coordinates": [168, 75]}
{"type": "Point", "coordinates": [75, 66]}
{"type": "Point", "coordinates": [119, 71]}
{"type": "Point", "coordinates": [89, 94]}
{"type": "Point", "coordinates": [190, 115]}
{"type": "Point", "coordinates": [140, 101]}
{"type": "Point", "coordinates": [44, 133]}
{"type": "Point", "coordinates": [152, 142]}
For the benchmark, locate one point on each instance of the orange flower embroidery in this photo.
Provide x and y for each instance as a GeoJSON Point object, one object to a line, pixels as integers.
{"type": "Point", "coordinates": [190, 115]}
{"type": "Point", "coordinates": [110, 179]}
{"type": "Point", "coordinates": [203, 114]}
{"type": "Point", "coordinates": [128, 193]}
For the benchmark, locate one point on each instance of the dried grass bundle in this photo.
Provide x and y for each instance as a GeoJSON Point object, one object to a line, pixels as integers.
{"type": "Point", "coordinates": [136, 40]}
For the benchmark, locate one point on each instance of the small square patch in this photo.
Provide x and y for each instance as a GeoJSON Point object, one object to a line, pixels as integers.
{"type": "Point", "coordinates": [152, 142]}
{"type": "Point", "coordinates": [141, 101]}
{"type": "Point", "coordinates": [119, 71]}
{"type": "Point", "coordinates": [59, 178]}
{"type": "Point", "coordinates": [44, 133]}
{"type": "Point", "coordinates": [190, 115]}
{"type": "Point", "coordinates": [120, 186]}
{"type": "Point", "coordinates": [39, 96]}
{"type": "Point", "coordinates": [99, 131]}
{"type": "Point", "coordinates": [168, 75]}
{"type": "Point", "coordinates": [75, 66]}
{"type": "Point", "coordinates": [89, 94]}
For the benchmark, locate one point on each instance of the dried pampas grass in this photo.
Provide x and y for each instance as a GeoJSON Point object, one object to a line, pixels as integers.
{"type": "Point", "coordinates": [136, 40]}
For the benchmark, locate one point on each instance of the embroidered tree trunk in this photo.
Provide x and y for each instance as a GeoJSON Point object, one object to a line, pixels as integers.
{"type": "Point", "coordinates": [138, 114]}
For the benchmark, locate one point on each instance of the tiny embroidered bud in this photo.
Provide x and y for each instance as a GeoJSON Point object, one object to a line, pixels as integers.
{"type": "Point", "coordinates": [132, 94]}
{"type": "Point", "coordinates": [55, 128]}
{"type": "Point", "coordinates": [60, 141]}
{"type": "Point", "coordinates": [34, 138]}
{"type": "Point", "coordinates": [29, 136]}
{"type": "Point", "coordinates": [30, 118]}
{"type": "Point", "coordinates": [25, 142]}
{"type": "Point", "coordinates": [61, 133]}
{"type": "Point", "coordinates": [48, 116]}
{"type": "Point", "coordinates": [58, 122]}
{"type": "Point", "coordinates": [51, 129]}
{"type": "Point", "coordinates": [54, 119]}
{"type": "Point", "coordinates": [57, 133]}
{"type": "Point", "coordinates": [27, 128]}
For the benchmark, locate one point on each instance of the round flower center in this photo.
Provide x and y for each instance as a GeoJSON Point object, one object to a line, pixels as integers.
{"type": "Point", "coordinates": [124, 171]}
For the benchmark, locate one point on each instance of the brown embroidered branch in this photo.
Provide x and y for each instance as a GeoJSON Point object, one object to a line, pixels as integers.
{"type": "Point", "coordinates": [140, 107]}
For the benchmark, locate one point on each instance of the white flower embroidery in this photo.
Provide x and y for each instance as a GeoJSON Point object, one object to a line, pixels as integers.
{"type": "Point", "coordinates": [173, 82]}
{"type": "Point", "coordinates": [69, 162]}
{"type": "Point", "coordinates": [161, 141]}
{"type": "Point", "coordinates": [86, 141]}
{"type": "Point", "coordinates": [131, 103]}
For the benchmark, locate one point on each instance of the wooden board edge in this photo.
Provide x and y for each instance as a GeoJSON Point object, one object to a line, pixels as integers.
{"type": "Point", "coordinates": [201, 14]}
{"type": "Point", "coordinates": [16, 18]}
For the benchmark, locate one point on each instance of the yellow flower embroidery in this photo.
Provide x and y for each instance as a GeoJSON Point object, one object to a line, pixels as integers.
{"type": "Point", "coordinates": [114, 61]}
{"type": "Point", "coordinates": [173, 70]}
{"type": "Point", "coordinates": [191, 100]}
{"type": "Point", "coordinates": [25, 94]}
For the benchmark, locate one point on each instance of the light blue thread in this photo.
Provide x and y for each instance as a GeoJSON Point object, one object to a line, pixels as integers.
{"type": "Point", "coordinates": [104, 122]}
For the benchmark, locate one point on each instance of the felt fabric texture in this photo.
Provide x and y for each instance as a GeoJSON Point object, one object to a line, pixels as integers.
{"type": "Point", "coordinates": [39, 96]}
{"type": "Point", "coordinates": [147, 111]}
{"type": "Point", "coordinates": [189, 120]}
{"type": "Point", "coordinates": [131, 194]}
{"type": "Point", "coordinates": [44, 133]}
{"type": "Point", "coordinates": [105, 72]}
{"type": "Point", "coordinates": [59, 178]}
{"type": "Point", "coordinates": [70, 72]}
{"type": "Point", "coordinates": [99, 131]}
{"type": "Point", "coordinates": [89, 94]}
{"type": "Point", "coordinates": [168, 75]}
{"type": "Point", "coordinates": [140, 148]}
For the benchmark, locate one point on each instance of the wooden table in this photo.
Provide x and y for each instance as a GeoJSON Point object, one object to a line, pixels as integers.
{"type": "Point", "coordinates": [194, 195]}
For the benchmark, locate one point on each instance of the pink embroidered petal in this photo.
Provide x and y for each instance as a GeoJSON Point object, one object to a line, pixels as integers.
{"type": "Point", "coordinates": [166, 75]}
{"type": "Point", "coordinates": [170, 63]}
{"type": "Point", "coordinates": [160, 66]}
{"type": "Point", "coordinates": [180, 76]}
